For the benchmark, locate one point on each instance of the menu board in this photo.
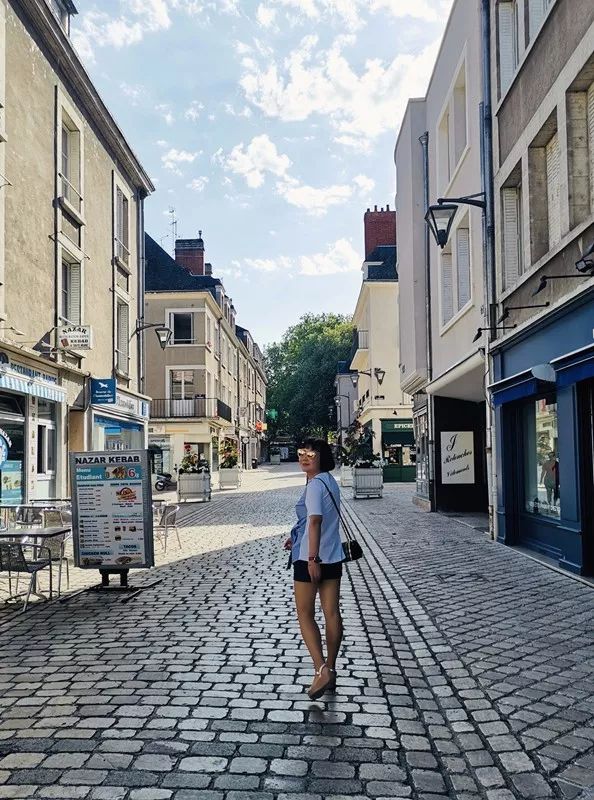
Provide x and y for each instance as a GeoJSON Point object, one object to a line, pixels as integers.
{"type": "Point", "coordinates": [112, 519]}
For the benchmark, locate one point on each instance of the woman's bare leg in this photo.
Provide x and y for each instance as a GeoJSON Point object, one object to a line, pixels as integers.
{"type": "Point", "coordinates": [305, 603]}
{"type": "Point", "coordinates": [329, 598]}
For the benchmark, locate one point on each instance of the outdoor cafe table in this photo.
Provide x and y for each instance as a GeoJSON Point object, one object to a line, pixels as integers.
{"type": "Point", "coordinates": [22, 535]}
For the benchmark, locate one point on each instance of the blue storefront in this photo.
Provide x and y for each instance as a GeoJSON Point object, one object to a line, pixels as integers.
{"type": "Point", "coordinates": [543, 398]}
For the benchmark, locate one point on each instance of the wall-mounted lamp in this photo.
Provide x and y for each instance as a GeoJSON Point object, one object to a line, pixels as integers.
{"type": "Point", "coordinates": [544, 279]}
{"type": "Point", "coordinates": [378, 372]}
{"type": "Point", "coordinates": [586, 262]}
{"type": "Point", "coordinates": [164, 333]}
{"type": "Point", "coordinates": [479, 332]}
{"type": "Point", "coordinates": [507, 309]}
{"type": "Point", "coordinates": [440, 217]}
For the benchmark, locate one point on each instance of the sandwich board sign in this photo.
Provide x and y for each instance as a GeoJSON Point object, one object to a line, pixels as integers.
{"type": "Point", "coordinates": [112, 520]}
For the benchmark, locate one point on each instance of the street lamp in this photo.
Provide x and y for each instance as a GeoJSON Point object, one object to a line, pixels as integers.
{"type": "Point", "coordinates": [163, 332]}
{"type": "Point", "coordinates": [586, 262]}
{"type": "Point", "coordinates": [544, 280]}
{"type": "Point", "coordinates": [378, 372]}
{"type": "Point", "coordinates": [440, 217]}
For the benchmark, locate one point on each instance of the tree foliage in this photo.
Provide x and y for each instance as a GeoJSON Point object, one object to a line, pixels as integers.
{"type": "Point", "coordinates": [301, 369]}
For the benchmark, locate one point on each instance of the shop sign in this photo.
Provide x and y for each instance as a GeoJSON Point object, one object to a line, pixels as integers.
{"type": "Point", "coordinates": [112, 520]}
{"type": "Point", "coordinates": [12, 482]}
{"type": "Point", "coordinates": [457, 457]}
{"type": "Point", "coordinates": [396, 425]}
{"type": "Point", "coordinates": [103, 391]}
{"type": "Point", "coordinates": [75, 337]}
{"type": "Point", "coordinates": [24, 369]}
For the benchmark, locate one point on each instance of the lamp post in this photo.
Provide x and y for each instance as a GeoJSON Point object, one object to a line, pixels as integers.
{"type": "Point", "coordinates": [339, 417]}
{"type": "Point", "coordinates": [164, 333]}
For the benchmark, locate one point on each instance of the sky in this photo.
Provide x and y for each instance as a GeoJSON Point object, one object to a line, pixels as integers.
{"type": "Point", "coordinates": [270, 125]}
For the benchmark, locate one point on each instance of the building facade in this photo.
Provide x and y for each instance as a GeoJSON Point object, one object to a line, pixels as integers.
{"type": "Point", "coordinates": [208, 384]}
{"type": "Point", "coordinates": [345, 399]}
{"type": "Point", "coordinates": [71, 241]}
{"type": "Point", "coordinates": [542, 56]}
{"type": "Point", "coordinates": [381, 405]}
{"type": "Point", "coordinates": [442, 297]}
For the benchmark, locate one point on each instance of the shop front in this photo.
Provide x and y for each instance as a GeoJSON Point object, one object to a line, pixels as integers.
{"type": "Point", "coordinates": [398, 450]}
{"type": "Point", "coordinates": [31, 418]}
{"type": "Point", "coordinates": [544, 404]}
{"type": "Point", "coordinates": [121, 425]}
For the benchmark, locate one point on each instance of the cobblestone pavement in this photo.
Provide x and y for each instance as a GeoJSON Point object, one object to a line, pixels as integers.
{"type": "Point", "coordinates": [467, 670]}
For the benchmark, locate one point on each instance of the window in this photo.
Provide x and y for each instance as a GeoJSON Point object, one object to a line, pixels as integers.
{"type": "Point", "coordinates": [451, 134]}
{"type": "Point", "coordinates": [70, 172]}
{"type": "Point", "coordinates": [123, 280]}
{"type": "Point", "coordinates": [71, 292]}
{"type": "Point", "coordinates": [553, 166]}
{"type": "Point", "coordinates": [182, 384]}
{"type": "Point", "coordinates": [123, 338]}
{"type": "Point", "coordinates": [208, 332]}
{"type": "Point", "coordinates": [463, 266]}
{"type": "Point", "coordinates": [447, 288]}
{"type": "Point", "coordinates": [71, 229]}
{"type": "Point", "coordinates": [541, 461]}
{"type": "Point", "coordinates": [537, 10]}
{"type": "Point", "coordinates": [182, 325]}
{"type": "Point", "coordinates": [507, 17]}
{"type": "Point", "coordinates": [46, 449]}
{"type": "Point", "coordinates": [122, 227]}
{"type": "Point", "coordinates": [511, 228]}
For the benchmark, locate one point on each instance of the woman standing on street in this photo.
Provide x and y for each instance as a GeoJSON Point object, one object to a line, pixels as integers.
{"type": "Point", "coordinates": [317, 554]}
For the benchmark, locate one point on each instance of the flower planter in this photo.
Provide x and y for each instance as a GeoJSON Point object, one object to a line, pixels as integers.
{"type": "Point", "coordinates": [367, 482]}
{"type": "Point", "coordinates": [275, 459]}
{"type": "Point", "coordinates": [346, 476]}
{"type": "Point", "coordinates": [228, 477]}
{"type": "Point", "coordinates": [194, 486]}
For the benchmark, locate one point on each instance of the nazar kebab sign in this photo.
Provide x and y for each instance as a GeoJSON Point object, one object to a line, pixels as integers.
{"type": "Point", "coordinates": [457, 457]}
{"type": "Point", "coordinates": [112, 517]}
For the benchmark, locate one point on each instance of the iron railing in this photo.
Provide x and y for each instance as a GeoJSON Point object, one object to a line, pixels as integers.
{"type": "Point", "coordinates": [196, 407]}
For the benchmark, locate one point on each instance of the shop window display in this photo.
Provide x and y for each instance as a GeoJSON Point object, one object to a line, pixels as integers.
{"type": "Point", "coordinates": [541, 460]}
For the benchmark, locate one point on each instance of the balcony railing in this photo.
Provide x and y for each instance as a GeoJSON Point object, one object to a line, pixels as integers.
{"type": "Point", "coordinates": [196, 407]}
{"type": "Point", "coordinates": [360, 342]}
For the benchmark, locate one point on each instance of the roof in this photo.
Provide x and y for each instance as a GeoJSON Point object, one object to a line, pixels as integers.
{"type": "Point", "coordinates": [382, 264]}
{"type": "Point", "coordinates": [164, 274]}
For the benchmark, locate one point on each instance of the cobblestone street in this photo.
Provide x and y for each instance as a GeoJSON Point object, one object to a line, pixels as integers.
{"type": "Point", "coordinates": [467, 669]}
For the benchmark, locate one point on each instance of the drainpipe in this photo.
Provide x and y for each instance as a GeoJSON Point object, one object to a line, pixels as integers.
{"type": "Point", "coordinates": [424, 140]}
{"type": "Point", "coordinates": [489, 251]}
{"type": "Point", "coordinates": [140, 195]}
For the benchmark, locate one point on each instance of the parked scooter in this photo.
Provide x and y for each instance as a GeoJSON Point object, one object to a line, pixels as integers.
{"type": "Point", "coordinates": [164, 482]}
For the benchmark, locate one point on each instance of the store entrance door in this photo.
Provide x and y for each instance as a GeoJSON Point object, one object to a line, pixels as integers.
{"type": "Point", "coordinates": [586, 437]}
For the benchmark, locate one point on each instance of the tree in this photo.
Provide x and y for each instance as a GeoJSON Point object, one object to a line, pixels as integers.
{"type": "Point", "coordinates": [301, 369]}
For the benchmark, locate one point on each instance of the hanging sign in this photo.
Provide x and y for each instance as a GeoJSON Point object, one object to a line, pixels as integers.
{"type": "Point", "coordinates": [112, 519]}
{"type": "Point", "coordinates": [103, 391]}
{"type": "Point", "coordinates": [75, 337]}
{"type": "Point", "coordinates": [457, 457]}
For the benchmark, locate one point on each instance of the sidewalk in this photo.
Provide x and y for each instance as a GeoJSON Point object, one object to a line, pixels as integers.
{"type": "Point", "coordinates": [467, 670]}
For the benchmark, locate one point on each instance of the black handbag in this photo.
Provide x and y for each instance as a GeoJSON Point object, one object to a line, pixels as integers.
{"type": "Point", "coordinates": [351, 548]}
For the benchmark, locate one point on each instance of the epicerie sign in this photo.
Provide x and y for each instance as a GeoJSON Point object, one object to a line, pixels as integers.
{"type": "Point", "coordinates": [75, 337]}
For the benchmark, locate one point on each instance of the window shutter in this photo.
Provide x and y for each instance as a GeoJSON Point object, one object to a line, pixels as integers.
{"type": "Point", "coordinates": [553, 157]}
{"type": "Point", "coordinates": [123, 337]}
{"type": "Point", "coordinates": [591, 142]}
{"type": "Point", "coordinates": [506, 44]}
{"type": "Point", "coordinates": [510, 201]}
{"type": "Point", "coordinates": [463, 265]}
{"type": "Point", "coordinates": [447, 299]}
{"type": "Point", "coordinates": [74, 291]}
{"type": "Point", "coordinates": [119, 215]}
{"type": "Point", "coordinates": [125, 230]}
{"type": "Point", "coordinates": [536, 13]}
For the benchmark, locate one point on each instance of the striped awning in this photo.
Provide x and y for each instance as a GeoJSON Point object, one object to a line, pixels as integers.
{"type": "Point", "coordinates": [29, 386]}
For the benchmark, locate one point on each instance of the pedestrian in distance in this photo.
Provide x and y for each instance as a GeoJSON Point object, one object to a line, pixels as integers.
{"type": "Point", "coordinates": [316, 556]}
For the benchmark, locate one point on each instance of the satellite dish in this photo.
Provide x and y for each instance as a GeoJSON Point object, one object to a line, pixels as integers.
{"type": "Point", "coordinates": [544, 372]}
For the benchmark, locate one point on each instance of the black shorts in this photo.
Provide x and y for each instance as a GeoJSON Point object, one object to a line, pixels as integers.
{"type": "Point", "coordinates": [329, 571]}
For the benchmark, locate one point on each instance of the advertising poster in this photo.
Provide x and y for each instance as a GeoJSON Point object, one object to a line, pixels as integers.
{"type": "Point", "coordinates": [11, 475]}
{"type": "Point", "coordinates": [457, 457]}
{"type": "Point", "coordinates": [112, 510]}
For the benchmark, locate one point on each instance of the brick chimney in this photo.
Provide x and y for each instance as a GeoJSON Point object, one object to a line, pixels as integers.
{"type": "Point", "coordinates": [189, 253]}
{"type": "Point", "coordinates": [380, 228]}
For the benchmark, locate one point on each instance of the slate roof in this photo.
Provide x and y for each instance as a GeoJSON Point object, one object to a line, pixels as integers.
{"type": "Point", "coordinates": [386, 271]}
{"type": "Point", "coordinates": [163, 274]}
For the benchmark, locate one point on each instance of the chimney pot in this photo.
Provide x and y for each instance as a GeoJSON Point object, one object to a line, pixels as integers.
{"type": "Point", "coordinates": [375, 208]}
{"type": "Point", "coordinates": [189, 254]}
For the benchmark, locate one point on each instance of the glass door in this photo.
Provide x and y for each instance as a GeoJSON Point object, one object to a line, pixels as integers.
{"type": "Point", "coordinates": [586, 437]}
{"type": "Point", "coordinates": [12, 458]}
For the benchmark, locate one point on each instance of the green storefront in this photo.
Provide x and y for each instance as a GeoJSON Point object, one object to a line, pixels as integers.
{"type": "Point", "coordinates": [398, 450]}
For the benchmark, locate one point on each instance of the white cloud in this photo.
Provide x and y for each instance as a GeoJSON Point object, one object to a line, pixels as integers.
{"type": "Point", "coordinates": [173, 158]}
{"type": "Point", "coordinates": [198, 184]}
{"type": "Point", "coordinates": [366, 185]}
{"type": "Point", "coordinates": [133, 92]}
{"type": "Point", "coordinates": [193, 111]}
{"type": "Point", "coordinates": [314, 201]}
{"type": "Point", "coordinates": [265, 16]}
{"type": "Point", "coordinates": [255, 161]}
{"type": "Point", "coordinates": [339, 257]}
{"type": "Point", "coordinates": [360, 105]}
{"type": "Point", "coordinates": [164, 111]}
{"type": "Point", "coordinates": [427, 10]}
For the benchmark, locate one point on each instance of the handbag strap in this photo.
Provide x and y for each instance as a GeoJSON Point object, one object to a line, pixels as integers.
{"type": "Point", "coordinates": [348, 534]}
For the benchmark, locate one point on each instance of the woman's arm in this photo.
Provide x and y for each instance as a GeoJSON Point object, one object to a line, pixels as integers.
{"type": "Point", "coordinates": [313, 536]}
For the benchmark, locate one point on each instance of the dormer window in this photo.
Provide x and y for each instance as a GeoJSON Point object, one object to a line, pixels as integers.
{"type": "Point", "coordinates": [62, 10]}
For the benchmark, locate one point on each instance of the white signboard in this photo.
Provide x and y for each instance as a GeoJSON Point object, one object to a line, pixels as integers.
{"type": "Point", "coordinates": [75, 337]}
{"type": "Point", "coordinates": [457, 457]}
{"type": "Point", "coordinates": [112, 510]}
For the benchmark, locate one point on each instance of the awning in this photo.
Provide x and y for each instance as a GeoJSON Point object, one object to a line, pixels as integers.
{"type": "Point", "coordinates": [35, 388]}
{"type": "Point", "coordinates": [463, 381]}
{"type": "Point", "coordinates": [574, 367]}
{"type": "Point", "coordinates": [517, 391]}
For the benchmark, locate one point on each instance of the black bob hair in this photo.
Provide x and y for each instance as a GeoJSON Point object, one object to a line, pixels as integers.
{"type": "Point", "coordinates": [322, 447]}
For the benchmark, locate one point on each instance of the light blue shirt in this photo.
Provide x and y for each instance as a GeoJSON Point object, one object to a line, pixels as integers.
{"type": "Point", "coordinates": [316, 501]}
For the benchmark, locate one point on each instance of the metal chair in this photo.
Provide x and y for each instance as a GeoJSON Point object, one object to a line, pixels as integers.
{"type": "Point", "coordinates": [13, 560]}
{"type": "Point", "coordinates": [165, 519]}
{"type": "Point", "coordinates": [27, 517]}
{"type": "Point", "coordinates": [57, 544]}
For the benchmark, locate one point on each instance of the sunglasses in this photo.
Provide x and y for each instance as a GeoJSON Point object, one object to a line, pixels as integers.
{"type": "Point", "coordinates": [306, 453]}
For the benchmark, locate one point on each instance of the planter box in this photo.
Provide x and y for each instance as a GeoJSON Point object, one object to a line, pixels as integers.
{"type": "Point", "coordinates": [367, 482]}
{"type": "Point", "coordinates": [275, 459]}
{"type": "Point", "coordinates": [194, 486]}
{"type": "Point", "coordinates": [228, 477]}
{"type": "Point", "coordinates": [346, 476]}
